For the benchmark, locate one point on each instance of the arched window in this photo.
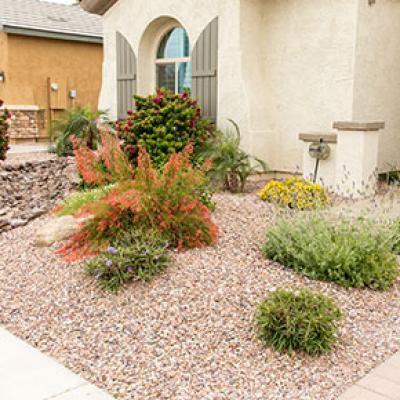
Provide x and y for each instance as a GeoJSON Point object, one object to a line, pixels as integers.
{"type": "Point", "coordinates": [173, 66]}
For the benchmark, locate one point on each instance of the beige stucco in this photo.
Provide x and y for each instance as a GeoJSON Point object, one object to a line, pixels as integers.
{"type": "Point", "coordinates": [32, 63]}
{"type": "Point", "coordinates": [285, 66]}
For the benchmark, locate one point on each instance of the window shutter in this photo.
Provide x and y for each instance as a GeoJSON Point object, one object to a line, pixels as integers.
{"type": "Point", "coordinates": [126, 75]}
{"type": "Point", "coordinates": [205, 70]}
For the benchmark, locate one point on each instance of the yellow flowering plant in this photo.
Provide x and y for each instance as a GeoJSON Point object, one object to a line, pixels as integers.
{"type": "Point", "coordinates": [295, 193]}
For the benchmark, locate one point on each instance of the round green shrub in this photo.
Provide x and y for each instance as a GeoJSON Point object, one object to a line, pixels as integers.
{"type": "Point", "coordinates": [298, 320]}
{"type": "Point", "coordinates": [136, 255]}
{"type": "Point", "coordinates": [353, 253]}
{"type": "Point", "coordinates": [164, 123]}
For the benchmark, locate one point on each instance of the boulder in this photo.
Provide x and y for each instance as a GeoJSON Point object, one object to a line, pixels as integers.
{"type": "Point", "coordinates": [56, 230]}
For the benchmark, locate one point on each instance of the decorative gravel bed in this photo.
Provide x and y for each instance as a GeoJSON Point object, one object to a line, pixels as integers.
{"type": "Point", "coordinates": [189, 334]}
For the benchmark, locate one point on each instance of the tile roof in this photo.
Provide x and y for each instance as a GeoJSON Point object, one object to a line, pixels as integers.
{"type": "Point", "coordinates": [43, 16]}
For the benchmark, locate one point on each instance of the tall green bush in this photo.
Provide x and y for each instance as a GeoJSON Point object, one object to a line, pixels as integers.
{"type": "Point", "coordinates": [164, 123]}
{"type": "Point", "coordinates": [4, 139]}
{"type": "Point", "coordinates": [353, 253]}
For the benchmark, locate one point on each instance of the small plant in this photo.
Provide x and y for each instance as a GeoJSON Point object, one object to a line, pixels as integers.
{"type": "Point", "coordinates": [230, 164]}
{"type": "Point", "coordinates": [353, 253]}
{"type": "Point", "coordinates": [135, 255]}
{"type": "Point", "coordinates": [295, 193]}
{"type": "Point", "coordinates": [164, 124]}
{"type": "Point", "coordinates": [79, 122]}
{"type": "Point", "coordinates": [298, 320]}
{"type": "Point", "coordinates": [4, 124]}
{"type": "Point", "coordinates": [75, 203]}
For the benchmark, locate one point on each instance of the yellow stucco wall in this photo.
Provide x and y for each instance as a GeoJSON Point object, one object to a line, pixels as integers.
{"type": "Point", "coordinates": [31, 63]}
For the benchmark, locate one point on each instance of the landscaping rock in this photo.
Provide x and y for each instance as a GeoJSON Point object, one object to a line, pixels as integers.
{"type": "Point", "coordinates": [31, 188]}
{"type": "Point", "coordinates": [56, 230]}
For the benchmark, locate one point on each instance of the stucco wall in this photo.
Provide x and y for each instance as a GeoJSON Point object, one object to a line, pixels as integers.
{"type": "Point", "coordinates": [306, 49]}
{"type": "Point", "coordinates": [31, 61]}
{"type": "Point", "coordinates": [377, 75]}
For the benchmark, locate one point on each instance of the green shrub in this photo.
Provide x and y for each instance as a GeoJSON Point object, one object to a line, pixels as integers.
{"type": "Point", "coordinates": [80, 122]}
{"type": "Point", "coordinates": [229, 163]}
{"type": "Point", "coordinates": [164, 123]}
{"type": "Point", "coordinates": [4, 139]}
{"type": "Point", "coordinates": [136, 255]}
{"type": "Point", "coordinates": [351, 253]}
{"type": "Point", "coordinates": [74, 203]}
{"type": "Point", "coordinates": [302, 320]}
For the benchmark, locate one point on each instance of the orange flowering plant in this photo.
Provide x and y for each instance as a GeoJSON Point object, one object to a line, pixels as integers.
{"type": "Point", "coordinates": [167, 201]}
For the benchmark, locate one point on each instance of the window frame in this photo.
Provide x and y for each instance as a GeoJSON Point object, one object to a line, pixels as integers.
{"type": "Point", "coordinates": [176, 61]}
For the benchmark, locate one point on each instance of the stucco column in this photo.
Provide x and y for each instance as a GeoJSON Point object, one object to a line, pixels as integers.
{"type": "Point", "coordinates": [357, 158]}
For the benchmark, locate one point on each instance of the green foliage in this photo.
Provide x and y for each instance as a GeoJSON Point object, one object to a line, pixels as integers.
{"type": "Point", "coordinates": [164, 123]}
{"type": "Point", "coordinates": [4, 139]}
{"type": "Point", "coordinates": [302, 320]}
{"type": "Point", "coordinates": [394, 229]}
{"type": "Point", "coordinates": [136, 255]}
{"type": "Point", "coordinates": [352, 253]}
{"type": "Point", "coordinates": [230, 164]}
{"type": "Point", "coordinates": [79, 122]}
{"type": "Point", "coordinates": [74, 203]}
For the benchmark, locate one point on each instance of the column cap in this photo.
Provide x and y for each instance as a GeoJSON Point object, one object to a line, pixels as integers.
{"type": "Point", "coordinates": [316, 136]}
{"type": "Point", "coordinates": [358, 126]}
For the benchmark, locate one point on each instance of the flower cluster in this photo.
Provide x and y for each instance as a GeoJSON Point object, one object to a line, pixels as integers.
{"type": "Point", "coordinates": [296, 193]}
{"type": "Point", "coordinates": [163, 123]}
{"type": "Point", "coordinates": [107, 165]}
{"type": "Point", "coordinates": [4, 124]}
{"type": "Point", "coordinates": [137, 254]}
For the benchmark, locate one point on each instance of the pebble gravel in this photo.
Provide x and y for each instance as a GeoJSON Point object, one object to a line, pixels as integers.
{"type": "Point", "coordinates": [190, 333]}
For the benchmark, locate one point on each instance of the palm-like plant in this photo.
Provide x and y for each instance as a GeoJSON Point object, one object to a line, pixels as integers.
{"type": "Point", "coordinates": [230, 164]}
{"type": "Point", "coordinates": [80, 122]}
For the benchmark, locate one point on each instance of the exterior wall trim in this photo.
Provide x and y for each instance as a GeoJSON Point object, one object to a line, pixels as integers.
{"type": "Point", "coordinates": [51, 35]}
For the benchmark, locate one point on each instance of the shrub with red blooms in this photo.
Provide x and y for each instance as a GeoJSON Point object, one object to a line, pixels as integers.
{"type": "Point", "coordinates": [107, 165]}
{"type": "Point", "coordinates": [166, 201]}
{"type": "Point", "coordinates": [164, 124]}
{"type": "Point", "coordinates": [4, 139]}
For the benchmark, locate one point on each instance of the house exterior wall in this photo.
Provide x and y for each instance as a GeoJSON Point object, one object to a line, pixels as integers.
{"type": "Point", "coordinates": [31, 63]}
{"type": "Point", "coordinates": [284, 67]}
{"type": "Point", "coordinates": [377, 75]}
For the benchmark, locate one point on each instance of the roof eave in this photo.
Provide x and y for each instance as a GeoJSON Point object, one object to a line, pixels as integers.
{"type": "Point", "coordinates": [51, 34]}
{"type": "Point", "coordinates": [99, 7]}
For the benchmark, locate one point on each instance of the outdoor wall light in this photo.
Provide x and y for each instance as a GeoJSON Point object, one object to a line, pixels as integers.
{"type": "Point", "coordinates": [2, 76]}
{"type": "Point", "coordinates": [72, 94]}
{"type": "Point", "coordinates": [54, 86]}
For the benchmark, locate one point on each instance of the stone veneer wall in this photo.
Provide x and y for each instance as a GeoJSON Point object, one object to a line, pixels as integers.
{"type": "Point", "coordinates": [24, 123]}
{"type": "Point", "coordinates": [30, 189]}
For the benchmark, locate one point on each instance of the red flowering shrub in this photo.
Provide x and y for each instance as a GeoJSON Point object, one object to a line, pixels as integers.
{"type": "Point", "coordinates": [167, 201]}
{"type": "Point", "coordinates": [164, 124]}
{"type": "Point", "coordinates": [4, 139]}
{"type": "Point", "coordinates": [107, 165]}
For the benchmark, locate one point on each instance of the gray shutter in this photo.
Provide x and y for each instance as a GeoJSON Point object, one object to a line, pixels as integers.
{"type": "Point", "coordinates": [205, 70]}
{"type": "Point", "coordinates": [126, 75]}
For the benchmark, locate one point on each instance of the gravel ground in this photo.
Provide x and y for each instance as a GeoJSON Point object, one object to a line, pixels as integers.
{"type": "Point", "coordinates": [190, 333]}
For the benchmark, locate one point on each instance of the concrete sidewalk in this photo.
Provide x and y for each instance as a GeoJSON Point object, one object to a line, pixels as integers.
{"type": "Point", "coordinates": [28, 148]}
{"type": "Point", "coordinates": [382, 383]}
{"type": "Point", "coordinates": [28, 374]}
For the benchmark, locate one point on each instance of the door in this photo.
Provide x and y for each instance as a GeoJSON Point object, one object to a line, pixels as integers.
{"type": "Point", "coordinates": [205, 71]}
{"type": "Point", "coordinates": [126, 76]}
